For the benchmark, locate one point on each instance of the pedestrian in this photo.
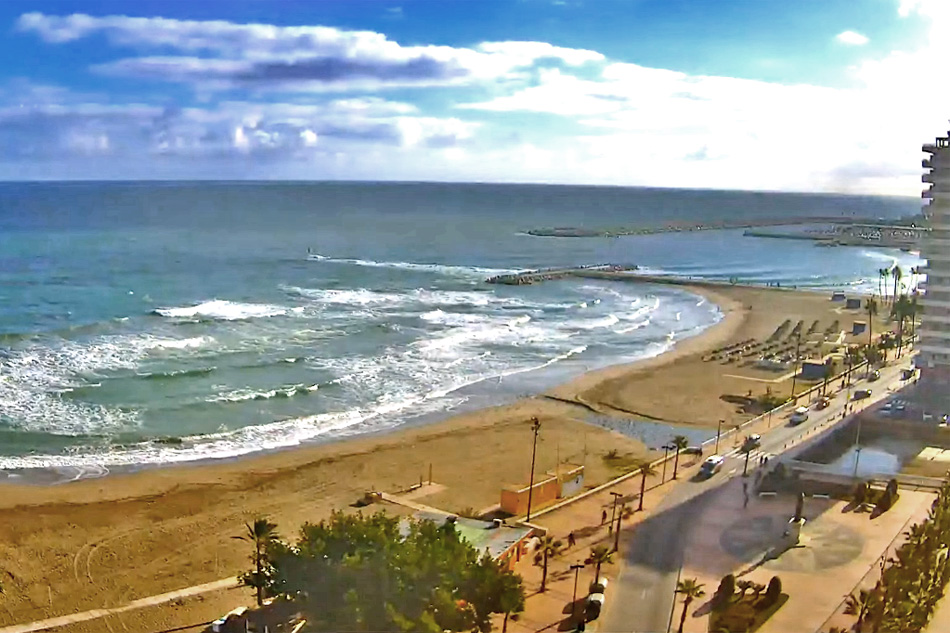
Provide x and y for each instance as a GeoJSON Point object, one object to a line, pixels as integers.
{"type": "Point", "coordinates": [571, 542]}
{"type": "Point", "coordinates": [745, 501]}
{"type": "Point", "coordinates": [603, 517]}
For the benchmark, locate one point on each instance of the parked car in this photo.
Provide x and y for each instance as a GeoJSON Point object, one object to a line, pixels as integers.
{"type": "Point", "coordinates": [693, 450]}
{"type": "Point", "coordinates": [874, 375]}
{"type": "Point", "coordinates": [824, 403]}
{"type": "Point", "coordinates": [861, 394]}
{"type": "Point", "coordinates": [595, 602]}
{"type": "Point", "coordinates": [752, 442]}
{"type": "Point", "coordinates": [799, 416]}
{"type": "Point", "coordinates": [711, 466]}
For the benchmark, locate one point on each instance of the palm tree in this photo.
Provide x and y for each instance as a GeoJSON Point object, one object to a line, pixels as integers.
{"type": "Point", "coordinates": [600, 555]}
{"type": "Point", "coordinates": [883, 274]}
{"type": "Point", "coordinates": [902, 310]}
{"type": "Point", "coordinates": [679, 443]}
{"type": "Point", "coordinates": [898, 274]}
{"type": "Point", "coordinates": [262, 533]}
{"type": "Point", "coordinates": [645, 470]}
{"type": "Point", "coordinates": [549, 548]}
{"type": "Point", "coordinates": [691, 590]}
{"type": "Point", "coordinates": [871, 307]}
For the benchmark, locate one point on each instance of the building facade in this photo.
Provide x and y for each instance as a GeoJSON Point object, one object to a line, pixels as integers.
{"type": "Point", "coordinates": [934, 344]}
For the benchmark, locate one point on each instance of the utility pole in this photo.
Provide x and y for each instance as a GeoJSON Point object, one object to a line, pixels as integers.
{"type": "Point", "coordinates": [577, 570]}
{"type": "Point", "coordinates": [535, 427]}
{"type": "Point", "coordinates": [666, 450]}
{"type": "Point", "coordinates": [745, 468]}
{"type": "Point", "coordinates": [718, 433]}
{"type": "Point", "coordinates": [798, 346]}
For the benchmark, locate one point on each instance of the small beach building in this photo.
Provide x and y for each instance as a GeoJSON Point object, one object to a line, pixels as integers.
{"type": "Point", "coordinates": [546, 490]}
{"type": "Point", "coordinates": [858, 327]}
{"type": "Point", "coordinates": [505, 543]}
{"type": "Point", "coordinates": [852, 304]}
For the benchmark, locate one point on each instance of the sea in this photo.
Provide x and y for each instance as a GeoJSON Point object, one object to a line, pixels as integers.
{"type": "Point", "coordinates": [156, 323]}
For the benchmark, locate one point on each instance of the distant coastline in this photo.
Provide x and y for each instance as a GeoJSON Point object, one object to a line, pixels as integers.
{"type": "Point", "coordinates": [571, 231]}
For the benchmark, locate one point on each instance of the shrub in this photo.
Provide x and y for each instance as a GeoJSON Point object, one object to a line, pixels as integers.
{"type": "Point", "coordinates": [772, 593]}
{"type": "Point", "coordinates": [860, 493]}
{"type": "Point", "coordinates": [725, 592]}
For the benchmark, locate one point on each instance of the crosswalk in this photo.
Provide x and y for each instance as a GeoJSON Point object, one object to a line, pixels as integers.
{"type": "Point", "coordinates": [754, 456]}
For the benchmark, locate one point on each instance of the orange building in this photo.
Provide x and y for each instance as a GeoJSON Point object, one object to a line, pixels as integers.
{"type": "Point", "coordinates": [548, 489]}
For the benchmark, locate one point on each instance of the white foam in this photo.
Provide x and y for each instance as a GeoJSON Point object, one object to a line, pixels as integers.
{"type": "Point", "coordinates": [594, 324]}
{"type": "Point", "coordinates": [445, 269]}
{"type": "Point", "coordinates": [221, 310]}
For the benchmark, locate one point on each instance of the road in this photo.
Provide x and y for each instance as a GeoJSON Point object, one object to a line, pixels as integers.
{"type": "Point", "coordinates": [642, 599]}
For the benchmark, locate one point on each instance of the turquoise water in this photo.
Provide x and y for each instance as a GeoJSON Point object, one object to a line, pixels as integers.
{"type": "Point", "coordinates": [135, 313]}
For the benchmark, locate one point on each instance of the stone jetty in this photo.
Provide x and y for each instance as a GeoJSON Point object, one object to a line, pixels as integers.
{"type": "Point", "coordinates": [548, 274]}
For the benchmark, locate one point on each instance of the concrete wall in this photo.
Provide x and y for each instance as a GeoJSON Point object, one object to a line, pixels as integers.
{"type": "Point", "coordinates": [514, 501]}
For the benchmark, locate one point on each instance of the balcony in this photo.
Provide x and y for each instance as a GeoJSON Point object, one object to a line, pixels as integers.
{"type": "Point", "coordinates": [926, 163]}
{"type": "Point", "coordinates": [927, 176]}
{"type": "Point", "coordinates": [927, 193]}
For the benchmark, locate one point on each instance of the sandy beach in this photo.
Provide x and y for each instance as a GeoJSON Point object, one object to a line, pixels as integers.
{"type": "Point", "coordinates": [104, 542]}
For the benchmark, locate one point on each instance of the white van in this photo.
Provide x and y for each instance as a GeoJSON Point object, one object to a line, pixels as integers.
{"type": "Point", "coordinates": [711, 466]}
{"type": "Point", "coordinates": [799, 416]}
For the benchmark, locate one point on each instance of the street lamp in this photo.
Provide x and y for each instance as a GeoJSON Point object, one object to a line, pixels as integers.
{"type": "Point", "coordinates": [718, 433]}
{"type": "Point", "coordinates": [745, 469]}
{"type": "Point", "coordinates": [857, 453]}
{"type": "Point", "coordinates": [617, 533]}
{"type": "Point", "coordinates": [613, 509]}
{"type": "Point", "coordinates": [666, 450]}
{"type": "Point", "coordinates": [577, 570]}
{"type": "Point", "coordinates": [535, 426]}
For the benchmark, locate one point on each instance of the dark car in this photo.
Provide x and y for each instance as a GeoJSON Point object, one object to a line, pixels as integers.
{"type": "Point", "coordinates": [693, 450]}
{"type": "Point", "coordinates": [861, 394]}
{"type": "Point", "coordinates": [874, 375]}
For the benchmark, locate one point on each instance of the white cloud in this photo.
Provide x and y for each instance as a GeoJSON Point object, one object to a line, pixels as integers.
{"type": "Point", "coordinates": [852, 38]}
{"type": "Point", "coordinates": [624, 123]}
{"type": "Point", "coordinates": [223, 54]}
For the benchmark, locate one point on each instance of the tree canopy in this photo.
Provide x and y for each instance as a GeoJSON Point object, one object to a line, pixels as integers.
{"type": "Point", "coordinates": [365, 573]}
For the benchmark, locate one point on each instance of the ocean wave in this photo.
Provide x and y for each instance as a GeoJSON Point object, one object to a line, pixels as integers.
{"type": "Point", "coordinates": [636, 326]}
{"type": "Point", "coordinates": [176, 373]}
{"type": "Point", "coordinates": [594, 324]}
{"type": "Point", "coordinates": [444, 269]}
{"type": "Point", "coordinates": [220, 310]}
{"type": "Point", "coordinates": [287, 391]}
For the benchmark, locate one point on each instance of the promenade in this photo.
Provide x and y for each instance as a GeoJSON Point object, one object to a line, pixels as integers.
{"type": "Point", "coordinates": [683, 527]}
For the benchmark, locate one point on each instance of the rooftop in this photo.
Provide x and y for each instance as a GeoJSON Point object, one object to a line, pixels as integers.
{"type": "Point", "coordinates": [479, 534]}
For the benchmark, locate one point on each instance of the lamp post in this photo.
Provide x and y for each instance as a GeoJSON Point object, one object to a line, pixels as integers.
{"type": "Point", "coordinates": [617, 533]}
{"type": "Point", "coordinates": [535, 427]}
{"type": "Point", "coordinates": [718, 433]}
{"type": "Point", "coordinates": [613, 509]}
{"type": "Point", "coordinates": [577, 570]}
{"type": "Point", "coordinates": [857, 453]}
{"type": "Point", "coordinates": [666, 450]}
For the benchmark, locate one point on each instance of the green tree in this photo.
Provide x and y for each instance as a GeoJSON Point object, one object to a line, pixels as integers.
{"type": "Point", "coordinates": [645, 470]}
{"type": "Point", "coordinates": [882, 275]}
{"type": "Point", "coordinates": [375, 573]}
{"type": "Point", "coordinates": [599, 556]}
{"type": "Point", "coordinates": [260, 534]}
{"type": "Point", "coordinates": [548, 548]}
{"type": "Point", "coordinates": [859, 605]}
{"type": "Point", "coordinates": [691, 590]}
{"type": "Point", "coordinates": [679, 443]}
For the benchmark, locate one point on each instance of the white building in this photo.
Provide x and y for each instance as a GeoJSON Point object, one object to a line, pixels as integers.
{"type": "Point", "coordinates": [934, 345]}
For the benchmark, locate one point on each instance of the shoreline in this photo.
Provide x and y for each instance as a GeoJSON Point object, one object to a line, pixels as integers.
{"type": "Point", "coordinates": [566, 391]}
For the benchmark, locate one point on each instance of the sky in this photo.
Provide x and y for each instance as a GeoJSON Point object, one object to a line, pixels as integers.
{"type": "Point", "coordinates": [811, 95]}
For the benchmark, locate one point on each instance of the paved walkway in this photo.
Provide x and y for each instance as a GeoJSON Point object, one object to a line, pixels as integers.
{"type": "Point", "coordinates": [52, 623]}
